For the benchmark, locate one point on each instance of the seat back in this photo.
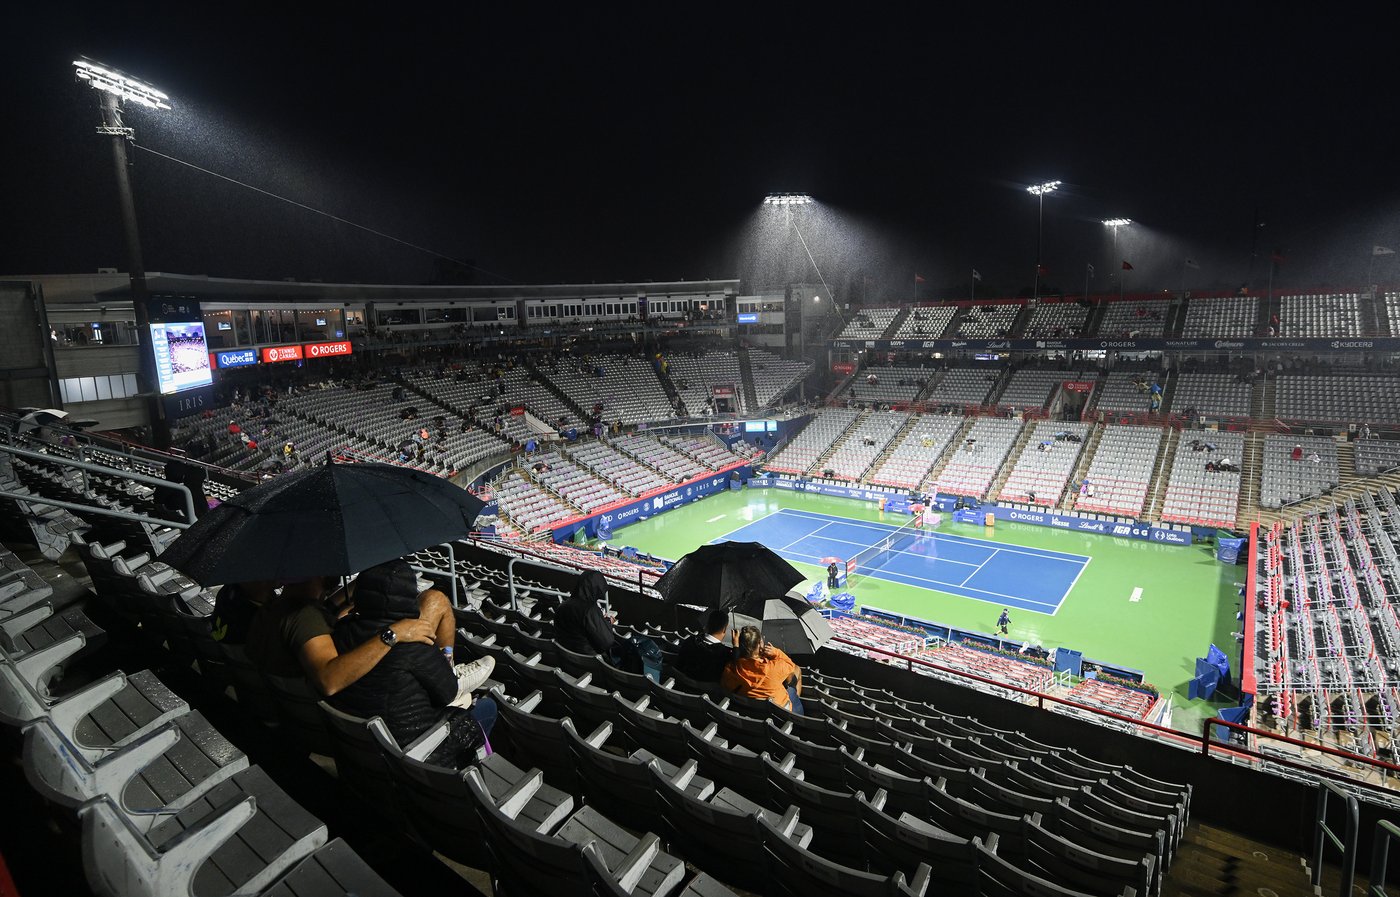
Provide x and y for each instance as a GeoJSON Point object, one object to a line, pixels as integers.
{"type": "Point", "coordinates": [719, 840]}
{"type": "Point", "coordinates": [536, 739]}
{"type": "Point", "coordinates": [833, 815]}
{"type": "Point", "coordinates": [903, 842]}
{"type": "Point", "coordinates": [797, 871]}
{"type": "Point", "coordinates": [299, 711]}
{"type": "Point", "coordinates": [524, 860]}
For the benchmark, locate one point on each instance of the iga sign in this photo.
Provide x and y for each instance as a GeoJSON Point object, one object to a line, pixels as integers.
{"type": "Point", "coordinates": [281, 353]}
{"type": "Point", "coordinates": [325, 350]}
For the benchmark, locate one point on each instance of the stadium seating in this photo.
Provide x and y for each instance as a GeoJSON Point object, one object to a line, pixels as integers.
{"type": "Point", "coordinates": [1320, 315]}
{"type": "Point", "coordinates": [1045, 464]}
{"type": "Point", "coordinates": [774, 377]}
{"type": "Point", "coordinates": [695, 375]}
{"type": "Point", "coordinates": [915, 453]}
{"type": "Point", "coordinates": [1286, 481]}
{"type": "Point", "coordinates": [803, 450]}
{"type": "Point", "coordinates": [1121, 471]}
{"type": "Point", "coordinates": [1220, 318]}
{"type": "Point", "coordinates": [1033, 387]}
{"type": "Point", "coordinates": [883, 385]}
{"type": "Point", "coordinates": [628, 389]}
{"type": "Point", "coordinates": [925, 323]}
{"type": "Point", "coordinates": [864, 443]}
{"type": "Point", "coordinates": [869, 323]}
{"type": "Point", "coordinates": [976, 462]}
{"type": "Point", "coordinates": [621, 470]}
{"type": "Point", "coordinates": [1199, 496]}
{"type": "Point", "coordinates": [1134, 319]}
{"type": "Point", "coordinates": [962, 386]}
{"type": "Point", "coordinates": [1211, 394]}
{"type": "Point", "coordinates": [1057, 320]}
{"type": "Point", "coordinates": [1338, 397]}
{"type": "Point", "coordinates": [1376, 456]}
{"type": "Point", "coordinates": [1125, 392]}
{"type": "Point", "coordinates": [988, 321]}
{"type": "Point", "coordinates": [676, 466]}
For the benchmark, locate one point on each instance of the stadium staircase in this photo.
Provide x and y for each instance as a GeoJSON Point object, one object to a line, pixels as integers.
{"type": "Point", "coordinates": [1263, 406]}
{"type": "Point", "coordinates": [1384, 326]}
{"type": "Point", "coordinates": [893, 444]}
{"type": "Point", "coordinates": [1086, 458]}
{"type": "Point", "coordinates": [1022, 320]}
{"type": "Point", "coordinates": [1168, 390]}
{"type": "Point", "coordinates": [1094, 319]}
{"type": "Point", "coordinates": [898, 322]}
{"type": "Point", "coordinates": [668, 387]}
{"type": "Point", "coordinates": [999, 387]}
{"type": "Point", "coordinates": [1251, 471]}
{"type": "Point", "coordinates": [955, 322]}
{"type": "Point", "coordinates": [456, 409]}
{"type": "Point", "coordinates": [1214, 862]}
{"type": "Point", "coordinates": [1166, 456]}
{"type": "Point", "coordinates": [746, 379]}
{"type": "Point", "coordinates": [1091, 401]}
{"type": "Point", "coordinates": [535, 374]}
{"type": "Point", "coordinates": [949, 452]}
{"type": "Point", "coordinates": [1013, 457]}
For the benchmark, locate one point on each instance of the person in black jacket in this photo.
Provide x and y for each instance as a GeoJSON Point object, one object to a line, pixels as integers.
{"type": "Point", "coordinates": [414, 685]}
{"type": "Point", "coordinates": [702, 656]}
{"type": "Point", "coordinates": [579, 624]}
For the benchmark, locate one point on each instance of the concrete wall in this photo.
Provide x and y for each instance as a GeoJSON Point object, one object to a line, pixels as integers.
{"type": "Point", "coordinates": [24, 363]}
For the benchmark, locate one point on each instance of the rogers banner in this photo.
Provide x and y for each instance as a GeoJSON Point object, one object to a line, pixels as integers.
{"type": "Point", "coordinates": [281, 353]}
{"type": "Point", "coordinates": [325, 350]}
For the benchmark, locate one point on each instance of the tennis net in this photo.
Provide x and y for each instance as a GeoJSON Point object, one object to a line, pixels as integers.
{"type": "Point", "coordinates": [875, 557]}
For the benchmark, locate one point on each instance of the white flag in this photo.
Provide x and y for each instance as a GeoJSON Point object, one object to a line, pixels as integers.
{"type": "Point", "coordinates": [1091, 270]}
{"type": "Point", "coordinates": [976, 275]}
{"type": "Point", "coordinates": [1382, 250]}
{"type": "Point", "coordinates": [1191, 263]}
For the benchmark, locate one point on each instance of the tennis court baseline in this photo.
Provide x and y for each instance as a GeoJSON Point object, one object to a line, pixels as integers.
{"type": "Point", "coordinates": [1029, 579]}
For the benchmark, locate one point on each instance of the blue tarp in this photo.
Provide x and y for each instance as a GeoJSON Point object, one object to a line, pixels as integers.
{"type": "Point", "coordinates": [1231, 550]}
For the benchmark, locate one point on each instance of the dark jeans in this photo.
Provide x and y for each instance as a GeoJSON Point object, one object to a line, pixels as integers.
{"type": "Point", "coordinates": [483, 710]}
{"type": "Point", "coordinates": [796, 701]}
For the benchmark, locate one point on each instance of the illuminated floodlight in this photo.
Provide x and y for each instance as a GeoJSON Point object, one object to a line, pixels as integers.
{"type": "Point", "coordinates": [124, 86]}
{"type": "Point", "coordinates": [1117, 222]}
{"type": "Point", "coordinates": [1042, 189]}
{"type": "Point", "coordinates": [787, 199]}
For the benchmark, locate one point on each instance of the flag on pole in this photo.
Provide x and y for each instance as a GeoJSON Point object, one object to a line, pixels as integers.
{"type": "Point", "coordinates": [1191, 263]}
{"type": "Point", "coordinates": [976, 275]}
{"type": "Point", "coordinates": [1382, 250]}
{"type": "Point", "coordinates": [918, 278]}
{"type": "Point", "coordinates": [1276, 256]}
{"type": "Point", "coordinates": [1042, 270]}
{"type": "Point", "coordinates": [1091, 270]}
{"type": "Point", "coordinates": [1126, 266]}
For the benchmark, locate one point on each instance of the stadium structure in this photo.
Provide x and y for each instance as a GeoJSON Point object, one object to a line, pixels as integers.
{"type": "Point", "coordinates": [1185, 503]}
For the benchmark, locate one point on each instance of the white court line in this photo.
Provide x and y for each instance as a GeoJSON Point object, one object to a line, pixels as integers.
{"type": "Point", "coordinates": [902, 577]}
{"type": "Point", "coordinates": [713, 519]}
{"type": "Point", "coordinates": [886, 528]}
{"type": "Point", "coordinates": [806, 536]}
{"type": "Point", "coordinates": [864, 545]}
{"type": "Point", "coordinates": [1137, 594]}
{"type": "Point", "coordinates": [979, 568]}
{"type": "Point", "coordinates": [721, 538]}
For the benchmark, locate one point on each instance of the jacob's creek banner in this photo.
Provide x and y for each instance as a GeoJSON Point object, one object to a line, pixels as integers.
{"type": "Point", "coordinates": [611, 518]}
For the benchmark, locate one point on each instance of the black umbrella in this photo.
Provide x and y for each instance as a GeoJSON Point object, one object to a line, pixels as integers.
{"type": "Point", "coordinates": [718, 575]}
{"type": "Point", "coordinates": [325, 520]}
{"type": "Point", "coordinates": [787, 622]}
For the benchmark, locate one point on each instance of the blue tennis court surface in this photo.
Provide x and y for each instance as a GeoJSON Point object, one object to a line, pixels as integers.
{"type": "Point", "coordinates": [1031, 579]}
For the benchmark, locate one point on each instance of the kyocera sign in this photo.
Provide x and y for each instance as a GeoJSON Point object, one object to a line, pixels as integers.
{"type": "Point", "coordinates": [324, 350]}
{"type": "Point", "coordinates": [281, 353]}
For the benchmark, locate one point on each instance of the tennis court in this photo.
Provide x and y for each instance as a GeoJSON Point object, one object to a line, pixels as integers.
{"type": "Point", "coordinates": [1020, 577]}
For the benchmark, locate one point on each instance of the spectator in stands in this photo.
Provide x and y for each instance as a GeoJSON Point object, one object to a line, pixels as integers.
{"type": "Point", "coordinates": [763, 672]}
{"type": "Point", "coordinates": [291, 636]}
{"type": "Point", "coordinates": [579, 624]}
{"type": "Point", "coordinates": [1227, 466]}
{"type": "Point", "coordinates": [704, 655]}
{"type": "Point", "coordinates": [1297, 453]}
{"type": "Point", "coordinates": [413, 686]}
{"type": "Point", "coordinates": [1315, 458]}
{"type": "Point", "coordinates": [234, 608]}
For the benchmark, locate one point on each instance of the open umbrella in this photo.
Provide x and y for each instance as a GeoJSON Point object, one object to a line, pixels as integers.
{"type": "Point", "coordinates": [39, 417]}
{"type": "Point", "coordinates": [718, 575]}
{"type": "Point", "coordinates": [787, 622]}
{"type": "Point", "coordinates": [325, 520]}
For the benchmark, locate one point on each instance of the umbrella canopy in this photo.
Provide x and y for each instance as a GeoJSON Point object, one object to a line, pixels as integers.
{"type": "Point", "coordinates": [718, 575]}
{"type": "Point", "coordinates": [40, 417]}
{"type": "Point", "coordinates": [789, 623]}
{"type": "Point", "coordinates": [331, 519]}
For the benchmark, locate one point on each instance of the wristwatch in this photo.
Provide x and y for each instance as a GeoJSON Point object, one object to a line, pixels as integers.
{"type": "Point", "coordinates": [389, 637]}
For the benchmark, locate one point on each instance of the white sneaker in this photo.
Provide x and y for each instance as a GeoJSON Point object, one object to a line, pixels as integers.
{"type": "Point", "coordinates": [470, 676]}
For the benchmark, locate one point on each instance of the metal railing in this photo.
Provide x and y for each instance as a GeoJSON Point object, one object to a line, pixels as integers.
{"type": "Point", "coordinates": [1323, 836]}
{"type": "Point", "coordinates": [1380, 856]}
{"type": "Point", "coordinates": [87, 468]}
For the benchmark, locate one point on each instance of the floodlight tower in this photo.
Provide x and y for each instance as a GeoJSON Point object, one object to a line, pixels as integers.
{"type": "Point", "coordinates": [113, 87]}
{"type": "Point", "coordinates": [1039, 191]}
{"type": "Point", "coordinates": [786, 201]}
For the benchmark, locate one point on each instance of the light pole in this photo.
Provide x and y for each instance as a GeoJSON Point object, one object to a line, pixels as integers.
{"type": "Point", "coordinates": [113, 87]}
{"type": "Point", "coordinates": [786, 201]}
{"type": "Point", "coordinates": [1039, 191]}
{"type": "Point", "coordinates": [1116, 223]}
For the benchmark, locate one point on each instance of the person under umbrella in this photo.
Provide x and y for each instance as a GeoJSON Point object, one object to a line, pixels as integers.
{"type": "Point", "coordinates": [763, 672]}
{"type": "Point", "coordinates": [413, 686]}
{"type": "Point", "coordinates": [290, 636]}
{"type": "Point", "coordinates": [703, 656]}
{"type": "Point", "coordinates": [719, 575]}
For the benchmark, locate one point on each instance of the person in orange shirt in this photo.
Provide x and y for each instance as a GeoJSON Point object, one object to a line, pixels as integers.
{"type": "Point", "coordinates": [763, 672]}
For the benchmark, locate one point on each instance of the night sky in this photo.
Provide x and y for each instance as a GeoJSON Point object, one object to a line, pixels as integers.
{"type": "Point", "coordinates": [636, 142]}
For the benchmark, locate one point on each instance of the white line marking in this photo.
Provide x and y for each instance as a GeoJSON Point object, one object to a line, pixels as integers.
{"type": "Point", "coordinates": [713, 519]}
{"type": "Point", "coordinates": [1137, 595]}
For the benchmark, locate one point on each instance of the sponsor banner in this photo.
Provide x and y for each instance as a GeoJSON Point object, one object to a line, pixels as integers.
{"type": "Point", "coordinates": [834, 489]}
{"type": "Point", "coordinates": [1130, 344]}
{"type": "Point", "coordinates": [844, 367]}
{"type": "Point", "coordinates": [274, 354]}
{"type": "Point", "coordinates": [326, 350]}
{"type": "Point", "coordinates": [723, 392]}
{"type": "Point", "coordinates": [748, 318]}
{"type": "Point", "coordinates": [235, 358]}
{"type": "Point", "coordinates": [612, 518]}
{"type": "Point", "coordinates": [188, 401]}
{"type": "Point", "coordinates": [1134, 530]}
{"type": "Point", "coordinates": [1078, 386]}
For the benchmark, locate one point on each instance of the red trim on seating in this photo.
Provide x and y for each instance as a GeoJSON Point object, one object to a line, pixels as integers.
{"type": "Point", "coordinates": [7, 884]}
{"type": "Point", "coordinates": [1247, 681]}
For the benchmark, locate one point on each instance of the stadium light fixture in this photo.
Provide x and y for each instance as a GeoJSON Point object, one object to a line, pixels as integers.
{"type": "Point", "coordinates": [124, 86]}
{"type": "Point", "coordinates": [1039, 191]}
{"type": "Point", "coordinates": [113, 87]}
{"type": "Point", "coordinates": [787, 199]}
{"type": "Point", "coordinates": [1117, 222]}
